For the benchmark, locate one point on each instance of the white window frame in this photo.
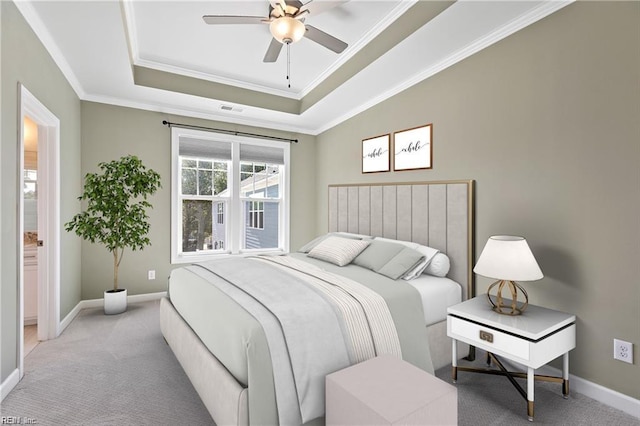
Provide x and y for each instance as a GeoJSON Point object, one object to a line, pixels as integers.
{"type": "Point", "coordinates": [233, 209]}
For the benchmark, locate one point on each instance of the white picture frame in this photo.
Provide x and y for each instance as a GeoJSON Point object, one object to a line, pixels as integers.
{"type": "Point", "coordinates": [413, 148]}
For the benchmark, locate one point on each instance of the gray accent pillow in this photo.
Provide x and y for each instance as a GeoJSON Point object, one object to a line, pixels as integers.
{"type": "Point", "coordinates": [389, 259]}
{"type": "Point", "coordinates": [377, 254]}
{"type": "Point", "coordinates": [428, 253]}
{"type": "Point", "coordinates": [401, 263]}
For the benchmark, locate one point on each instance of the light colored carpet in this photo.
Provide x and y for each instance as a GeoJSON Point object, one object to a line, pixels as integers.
{"type": "Point", "coordinates": [492, 400]}
{"type": "Point", "coordinates": [107, 370]}
{"type": "Point", "coordinates": [117, 370]}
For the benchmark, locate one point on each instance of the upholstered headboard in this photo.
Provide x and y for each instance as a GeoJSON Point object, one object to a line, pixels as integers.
{"type": "Point", "coordinates": [435, 214]}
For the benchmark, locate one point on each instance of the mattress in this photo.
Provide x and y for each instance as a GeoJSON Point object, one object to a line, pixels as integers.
{"type": "Point", "coordinates": [437, 294]}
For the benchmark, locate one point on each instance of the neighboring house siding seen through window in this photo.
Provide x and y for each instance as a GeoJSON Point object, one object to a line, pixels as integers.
{"type": "Point", "coordinates": [229, 195]}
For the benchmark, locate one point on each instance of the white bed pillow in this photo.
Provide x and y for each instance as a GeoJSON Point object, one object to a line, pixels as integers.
{"type": "Point", "coordinates": [337, 250]}
{"type": "Point", "coordinates": [428, 252]}
{"type": "Point", "coordinates": [439, 265]}
{"type": "Point", "coordinates": [311, 244]}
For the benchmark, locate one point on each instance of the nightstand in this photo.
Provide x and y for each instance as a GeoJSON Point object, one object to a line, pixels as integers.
{"type": "Point", "coordinates": [532, 339]}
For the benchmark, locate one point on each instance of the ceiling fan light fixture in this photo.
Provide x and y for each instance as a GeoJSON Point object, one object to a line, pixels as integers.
{"type": "Point", "coordinates": [286, 29]}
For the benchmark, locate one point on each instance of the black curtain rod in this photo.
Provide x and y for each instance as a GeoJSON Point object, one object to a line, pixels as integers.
{"type": "Point", "coordinates": [229, 132]}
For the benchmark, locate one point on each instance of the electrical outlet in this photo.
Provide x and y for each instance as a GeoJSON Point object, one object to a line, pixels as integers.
{"type": "Point", "coordinates": [623, 351]}
{"type": "Point", "coordinates": [151, 274]}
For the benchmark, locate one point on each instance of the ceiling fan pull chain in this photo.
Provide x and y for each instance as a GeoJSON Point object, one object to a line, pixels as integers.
{"type": "Point", "coordinates": [289, 65]}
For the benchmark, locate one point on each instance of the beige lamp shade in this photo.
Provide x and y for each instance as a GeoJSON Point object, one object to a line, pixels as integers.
{"type": "Point", "coordinates": [508, 258]}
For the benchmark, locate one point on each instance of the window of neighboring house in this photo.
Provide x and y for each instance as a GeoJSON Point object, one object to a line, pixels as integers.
{"type": "Point", "coordinates": [229, 195]}
{"type": "Point", "coordinates": [256, 215]}
{"type": "Point", "coordinates": [220, 217]}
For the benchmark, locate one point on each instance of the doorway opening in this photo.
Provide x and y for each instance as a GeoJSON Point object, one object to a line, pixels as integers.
{"type": "Point", "coordinates": [38, 224]}
{"type": "Point", "coordinates": [30, 234]}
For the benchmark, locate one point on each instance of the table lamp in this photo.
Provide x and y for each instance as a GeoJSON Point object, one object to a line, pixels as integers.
{"type": "Point", "coordinates": [508, 259]}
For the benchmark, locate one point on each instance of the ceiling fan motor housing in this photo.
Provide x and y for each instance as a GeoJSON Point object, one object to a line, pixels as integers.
{"type": "Point", "coordinates": [292, 8]}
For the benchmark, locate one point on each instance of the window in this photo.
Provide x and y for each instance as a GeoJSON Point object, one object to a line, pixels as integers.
{"type": "Point", "coordinates": [220, 217]}
{"type": "Point", "coordinates": [256, 215]}
{"type": "Point", "coordinates": [229, 195]}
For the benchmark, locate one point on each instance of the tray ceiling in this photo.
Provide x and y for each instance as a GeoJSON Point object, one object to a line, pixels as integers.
{"type": "Point", "coordinates": [160, 55]}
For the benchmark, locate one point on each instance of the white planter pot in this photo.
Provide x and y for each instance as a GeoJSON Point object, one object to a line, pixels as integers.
{"type": "Point", "coordinates": [115, 301]}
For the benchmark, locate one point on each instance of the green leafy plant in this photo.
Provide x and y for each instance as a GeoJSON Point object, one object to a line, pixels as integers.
{"type": "Point", "coordinates": [116, 207]}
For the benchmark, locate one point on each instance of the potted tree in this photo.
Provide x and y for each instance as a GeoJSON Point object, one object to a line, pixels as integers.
{"type": "Point", "coordinates": [116, 215]}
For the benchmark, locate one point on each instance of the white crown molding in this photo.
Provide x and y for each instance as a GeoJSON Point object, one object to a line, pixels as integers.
{"type": "Point", "coordinates": [129, 21]}
{"type": "Point", "coordinates": [132, 41]}
{"type": "Point", "coordinates": [227, 118]}
{"type": "Point", "coordinates": [277, 122]}
{"type": "Point", "coordinates": [500, 33]}
{"type": "Point", "coordinates": [214, 78]}
{"type": "Point", "coordinates": [38, 27]}
{"type": "Point", "coordinates": [131, 35]}
{"type": "Point", "coordinates": [351, 51]}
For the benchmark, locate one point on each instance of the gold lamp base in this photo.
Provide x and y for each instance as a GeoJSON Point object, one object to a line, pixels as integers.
{"type": "Point", "coordinates": [499, 304]}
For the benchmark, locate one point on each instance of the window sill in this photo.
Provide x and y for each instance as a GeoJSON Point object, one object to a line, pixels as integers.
{"type": "Point", "coordinates": [195, 258]}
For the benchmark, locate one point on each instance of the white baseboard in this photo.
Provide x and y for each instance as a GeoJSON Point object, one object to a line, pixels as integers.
{"type": "Point", "coordinates": [70, 316]}
{"type": "Point", "coordinates": [598, 392]}
{"type": "Point", "coordinates": [136, 298]}
{"type": "Point", "coordinates": [595, 391]}
{"type": "Point", "coordinates": [98, 303]}
{"type": "Point", "coordinates": [10, 383]}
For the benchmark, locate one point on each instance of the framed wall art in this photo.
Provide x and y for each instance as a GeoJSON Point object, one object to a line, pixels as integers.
{"type": "Point", "coordinates": [413, 148]}
{"type": "Point", "coordinates": [376, 154]}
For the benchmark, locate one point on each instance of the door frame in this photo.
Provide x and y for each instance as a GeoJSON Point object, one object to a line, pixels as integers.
{"type": "Point", "coordinates": [48, 219]}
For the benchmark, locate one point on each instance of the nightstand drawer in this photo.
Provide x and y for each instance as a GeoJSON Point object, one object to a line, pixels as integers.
{"type": "Point", "coordinates": [488, 338]}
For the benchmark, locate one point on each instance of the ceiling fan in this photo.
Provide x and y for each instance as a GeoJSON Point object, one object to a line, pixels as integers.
{"type": "Point", "coordinates": [286, 22]}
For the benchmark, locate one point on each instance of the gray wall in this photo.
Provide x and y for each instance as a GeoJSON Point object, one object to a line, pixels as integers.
{"type": "Point", "coordinates": [109, 132]}
{"type": "Point", "coordinates": [25, 60]}
{"type": "Point", "coordinates": [547, 122]}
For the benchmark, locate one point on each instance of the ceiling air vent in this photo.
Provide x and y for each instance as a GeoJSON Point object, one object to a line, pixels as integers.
{"type": "Point", "coordinates": [230, 108]}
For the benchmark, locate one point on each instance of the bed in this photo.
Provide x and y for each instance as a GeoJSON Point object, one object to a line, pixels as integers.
{"type": "Point", "coordinates": [227, 353]}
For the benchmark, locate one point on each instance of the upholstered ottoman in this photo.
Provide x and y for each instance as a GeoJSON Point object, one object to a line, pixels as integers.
{"type": "Point", "coordinates": [388, 391]}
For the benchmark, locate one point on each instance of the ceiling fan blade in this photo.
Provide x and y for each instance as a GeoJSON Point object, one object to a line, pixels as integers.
{"type": "Point", "coordinates": [273, 51]}
{"type": "Point", "coordinates": [318, 7]}
{"type": "Point", "coordinates": [324, 39]}
{"type": "Point", "coordinates": [230, 19]}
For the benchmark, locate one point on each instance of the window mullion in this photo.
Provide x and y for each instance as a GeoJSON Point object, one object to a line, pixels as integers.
{"type": "Point", "coordinates": [235, 217]}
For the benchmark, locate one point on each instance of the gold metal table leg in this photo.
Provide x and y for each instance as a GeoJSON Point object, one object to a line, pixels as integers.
{"type": "Point", "coordinates": [502, 371]}
{"type": "Point", "coordinates": [530, 410]}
